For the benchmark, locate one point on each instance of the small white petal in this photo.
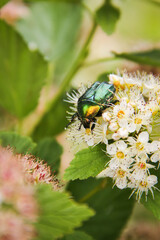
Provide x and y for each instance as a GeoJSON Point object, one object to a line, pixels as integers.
{"type": "Point", "coordinates": [113, 126]}
{"type": "Point", "coordinates": [89, 140]}
{"type": "Point", "coordinates": [114, 164]}
{"type": "Point", "coordinates": [123, 132]}
{"type": "Point", "coordinates": [121, 145]}
{"type": "Point", "coordinates": [106, 173]}
{"type": "Point", "coordinates": [116, 136]}
{"type": "Point", "coordinates": [115, 79]}
{"type": "Point", "coordinates": [106, 116]}
{"type": "Point", "coordinates": [152, 180]}
{"type": "Point", "coordinates": [143, 137]}
{"type": "Point", "coordinates": [131, 140]}
{"type": "Point", "coordinates": [121, 183]}
{"type": "Point", "coordinates": [155, 157]}
{"type": "Point", "coordinates": [111, 149]}
{"type": "Point", "coordinates": [152, 147]}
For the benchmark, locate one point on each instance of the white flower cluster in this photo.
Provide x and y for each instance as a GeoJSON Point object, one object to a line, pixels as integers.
{"type": "Point", "coordinates": [125, 128]}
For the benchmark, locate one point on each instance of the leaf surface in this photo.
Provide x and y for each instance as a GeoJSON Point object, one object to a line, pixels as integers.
{"type": "Point", "coordinates": [22, 73]}
{"type": "Point", "coordinates": [107, 17]}
{"type": "Point", "coordinates": [112, 207]}
{"type": "Point", "coordinates": [50, 151]}
{"type": "Point", "coordinates": [20, 144]}
{"type": "Point", "coordinates": [87, 163]}
{"type": "Point", "coordinates": [151, 57]}
{"type": "Point", "coordinates": [59, 214]}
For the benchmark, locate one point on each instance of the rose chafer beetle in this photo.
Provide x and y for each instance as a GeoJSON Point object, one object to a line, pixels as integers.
{"type": "Point", "coordinates": [93, 102]}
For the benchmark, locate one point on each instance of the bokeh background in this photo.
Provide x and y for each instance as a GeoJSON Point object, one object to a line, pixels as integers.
{"type": "Point", "coordinates": [52, 34]}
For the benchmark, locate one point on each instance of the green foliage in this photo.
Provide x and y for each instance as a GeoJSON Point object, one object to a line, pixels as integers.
{"type": "Point", "coordinates": [87, 163]}
{"type": "Point", "coordinates": [151, 57]}
{"type": "Point", "coordinates": [20, 144]}
{"type": "Point", "coordinates": [3, 2]}
{"type": "Point", "coordinates": [78, 235]}
{"type": "Point", "coordinates": [59, 214]}
{"type": "Point", "coordinates": [20, 84]}
{"type": "Point", "coordinates": [107, 17]}
{"type": "Point", "coordinates": [112, 207]}
{"type": "Point", "coordinates": [103, 77]}
{"type": "Point", "coordinates": [55, 120]}
{"type": "Point", "coordinates": [153, 204]}
{"type": "Point", "coordinates": [51, 27]}
{"type": "Point", "coordinates": [50, 151]}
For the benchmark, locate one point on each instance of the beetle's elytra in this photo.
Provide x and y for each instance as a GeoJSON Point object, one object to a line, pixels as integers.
{"type": "Point", "coordinates": [93, 102]}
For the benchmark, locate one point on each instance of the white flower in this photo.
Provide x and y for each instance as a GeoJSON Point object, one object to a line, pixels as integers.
{"type": "Point", "coordinates": [106, 116]}
{"type": "Point", "coordinates": [139, 145]}
{"type": "Point", "coordinates": [116, 80]}
{"type": "Point", "coordinates": [123, 111]}
{"type": "Point", "coordinates": [113, 126]}
{"type": "Point", "coordinates": [119, 175]}
{"type": "Point", "coordinates": [140, 168]}
{"type": "Point", "coordinates": [153, 107]}
{"type": "Point", "coordinates": [140, 119]}
{"type": "Point", "coordinates": [144, 185]}
{"type": "Point", "coordinates": [119, 154]}
{"type": "Point", "coordinates": [100, 133]}
{"type": "Point", "coordinates": [155, 147]}
{"type": "Point", "coordinates": [116, 136]}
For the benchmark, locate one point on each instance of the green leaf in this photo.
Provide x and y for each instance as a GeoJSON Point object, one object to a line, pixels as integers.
{"type": "Point", "coordinates": [49, 150]}
{"type": "Point", "coordinates": [103, 77]}
{"type": "Point", "coordinates": [52, 27]}
{"type": "Point", "coordinates": [77, 235]}
{"type": "Point", "coordinates": [3, 2]}
{"type": "Point", "coordinates": [55, 120]}
{"type": "Point", "coordinates": [87, 163]}
{"type": "Point", "coordinates": [151, 57]}
{"type": "Point", "coordinates": [20, 144]}
{"type": "Point", "coordinates": [59, 214]}
{"type": "Point", "coordinates": [107, 17]}
{"type": "Point", "coordinates": [153, 204]}
{"type": "Point", "coordinates": [22, 73]}
{"type": "Point", "coordinates": [112, 207]}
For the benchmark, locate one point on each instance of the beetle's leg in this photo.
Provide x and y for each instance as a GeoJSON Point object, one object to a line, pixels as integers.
{"type": "Point", "coordinates": [110, 104]}
{"type": "Point", "coordinates": [93, 125]}
{"type": "Point", "coordinates": [72, 119]}
{"type": "Point", "coordinates": [80, 126]}
{"type": "Point", "coordinates": [115, 101]}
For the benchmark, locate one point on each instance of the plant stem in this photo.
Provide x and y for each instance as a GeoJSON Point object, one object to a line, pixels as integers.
{"type": "Point", "coordinates": [98, 61]}
{"type": "Point", "coordinates": [75, 67]}
{"type": "Point", "coordinates": [94, 191]}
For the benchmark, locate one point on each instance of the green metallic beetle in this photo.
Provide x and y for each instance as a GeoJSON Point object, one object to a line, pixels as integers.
{"type": "Point", "coordinates": [93, 102]}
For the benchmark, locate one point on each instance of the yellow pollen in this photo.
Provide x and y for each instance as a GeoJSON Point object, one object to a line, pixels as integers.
{"type": "Point", "coordinates": [116, 83]}
{"type": "Point", "coordinates": [107, 132]}
{"type": "Point", "coordinates": [155, 112]}
{"type": "Point", "coordinates": [139, 146]}
{"type": "Point", "coordinates": [120, 155]}
{"type": "Point", "coordinates": [138, 121]}
{"type": "Point", "coordinates": [121, 173]}
{"type": "Point", "coordinates": [88, 131]}
{"type": "Point", "coordinates": [120, 114]}
{"type": "Point", "coordinates": [129, 85]}
{"type": "Point", "coordinates": [143, 184]}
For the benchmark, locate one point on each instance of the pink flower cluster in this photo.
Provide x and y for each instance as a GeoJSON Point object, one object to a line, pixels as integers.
{"type": "Point", "coordinates": [18, 206]}
{"type": "Point", "coordinates": [36, 171]}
